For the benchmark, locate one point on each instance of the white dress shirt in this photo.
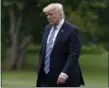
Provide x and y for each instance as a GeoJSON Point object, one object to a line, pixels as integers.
{"type": "Point", "coordinates": [55, 35]}
{"type": "Point", "coordinates": [56, 31]}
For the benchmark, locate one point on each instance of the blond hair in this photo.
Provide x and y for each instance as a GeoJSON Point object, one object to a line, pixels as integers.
{"type": "Point", "coordinates": [56, 6]}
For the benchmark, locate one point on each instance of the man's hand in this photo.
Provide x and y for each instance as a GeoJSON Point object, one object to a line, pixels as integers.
{"type": "Point", "coordinates": [62, 78]}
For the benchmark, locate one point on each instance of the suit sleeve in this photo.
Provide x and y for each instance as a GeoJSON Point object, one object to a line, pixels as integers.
{"type": "Point", "coordinates": [74, 52]}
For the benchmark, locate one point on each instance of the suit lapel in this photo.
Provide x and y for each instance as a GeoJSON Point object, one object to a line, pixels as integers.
{"type": "Point", "coordinates": [46, 35]}
{"type": "Point", "coordinates": [45, 38]}
{"type": "Point", "coordinates": [59, 35]}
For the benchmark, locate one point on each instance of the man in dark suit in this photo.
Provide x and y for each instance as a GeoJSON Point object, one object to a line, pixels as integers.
{"type": "Point", "coordinates": [60, 51]}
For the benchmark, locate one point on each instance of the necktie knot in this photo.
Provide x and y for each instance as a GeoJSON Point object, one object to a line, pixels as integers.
{"type": "Point", "coordinates": [55, 27]}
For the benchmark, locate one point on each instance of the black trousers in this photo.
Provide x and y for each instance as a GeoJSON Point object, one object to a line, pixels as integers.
{"type": "Point", "coordinates": [45, 81]}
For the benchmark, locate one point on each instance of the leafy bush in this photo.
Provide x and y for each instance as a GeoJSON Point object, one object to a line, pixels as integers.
{"type": "Point", "coordinates": [86, 49]}
{"type": "Point", "coordinates": [32, 48]}
{"type": "Point", "coordinates": [92, 49]}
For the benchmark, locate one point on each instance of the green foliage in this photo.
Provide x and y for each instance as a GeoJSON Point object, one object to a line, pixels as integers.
{"type": "Point", "coordinates": [33, 48]}
{"type": "Point", "coordinates": [75, 18]}
{"type": "Point", "coordinates": [82, 13]}
{"type": "Point", "coordinates": [93, 49]}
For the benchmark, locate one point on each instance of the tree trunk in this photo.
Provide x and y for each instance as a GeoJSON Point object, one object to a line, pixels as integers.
{"type": "Point", "coordinates": [13, 49]}
{"type": "Point", "coordinates": [17, 51]}
{"type": "Point", "coordinates": [22, 52]}
{"type": "Point", "coordinates": [14, 31]}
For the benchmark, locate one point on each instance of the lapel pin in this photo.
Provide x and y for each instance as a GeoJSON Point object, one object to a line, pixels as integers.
{"type": "Point", "coordinates": [62, 31]}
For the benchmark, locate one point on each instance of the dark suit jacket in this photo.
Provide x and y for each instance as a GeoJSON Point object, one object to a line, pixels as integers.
{"type": "Point", "coordinates": [64, 56]}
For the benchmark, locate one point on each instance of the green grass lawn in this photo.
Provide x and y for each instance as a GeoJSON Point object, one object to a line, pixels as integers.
{"type": "Point", "coordinates": [94, 69]}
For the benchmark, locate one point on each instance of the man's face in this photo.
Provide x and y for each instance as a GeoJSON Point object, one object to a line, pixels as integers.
{"type": "Point", "coordinates": [53, 16]}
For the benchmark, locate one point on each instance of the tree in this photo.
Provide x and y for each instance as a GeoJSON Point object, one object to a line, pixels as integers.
{"type": "Point", "coordinates": [17, 42]}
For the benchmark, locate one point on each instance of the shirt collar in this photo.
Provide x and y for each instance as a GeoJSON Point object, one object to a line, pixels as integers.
{"type": "Point", "coordinates": [60, 24]}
